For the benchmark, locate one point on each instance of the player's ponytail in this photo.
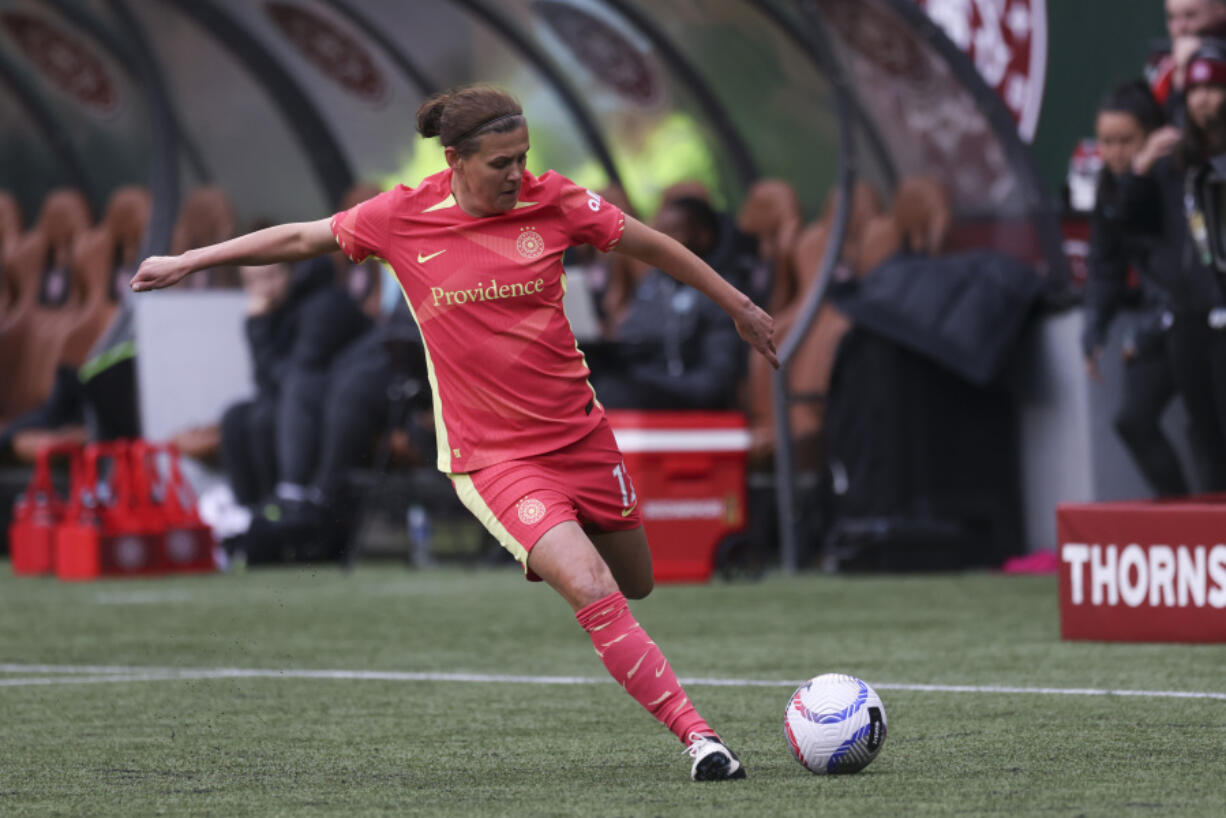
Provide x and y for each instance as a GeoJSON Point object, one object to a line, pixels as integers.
{"type": "Point", "coordinates": [430, 115]}
{"type": "Point", "coordinates": [461, 115]}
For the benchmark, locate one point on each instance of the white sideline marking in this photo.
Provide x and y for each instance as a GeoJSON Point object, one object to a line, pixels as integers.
{"type": "Point", "coordinates": [1055, 691]}
{"type": "Point", "coordinates": [140, 597]}
{"type": "Point", "coordinates": [36, 681]}
{"type": "Point", "coordinates": [93, 674]}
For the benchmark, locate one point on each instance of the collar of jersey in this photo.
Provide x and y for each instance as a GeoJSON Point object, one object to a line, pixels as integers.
{"type": "Point", "coordinates": [449, 202]}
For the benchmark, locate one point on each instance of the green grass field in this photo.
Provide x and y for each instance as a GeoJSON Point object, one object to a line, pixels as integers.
{"type": "Point", "coordinates": [161, 729]}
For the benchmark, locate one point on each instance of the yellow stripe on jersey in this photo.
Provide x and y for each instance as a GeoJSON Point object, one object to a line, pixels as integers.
{"type": "Point", "coordinates": [440, 428]}
{"type": "Point", "coordinates": [446, 203]}
{"type": "Point", "coordinates": [473, 501]}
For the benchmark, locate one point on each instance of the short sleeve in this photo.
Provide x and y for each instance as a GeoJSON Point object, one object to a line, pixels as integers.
{"type": "Point", "coordinates": [362, 229]}
{"type": "Point", "coordinates": [590, 219]}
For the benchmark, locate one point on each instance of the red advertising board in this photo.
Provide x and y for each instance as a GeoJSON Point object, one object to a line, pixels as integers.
{"type": "Point", "coordinates": [1143, 572]}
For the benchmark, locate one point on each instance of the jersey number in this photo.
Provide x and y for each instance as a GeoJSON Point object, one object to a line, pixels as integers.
{"type": "Point", "coordinates": [624, 482]}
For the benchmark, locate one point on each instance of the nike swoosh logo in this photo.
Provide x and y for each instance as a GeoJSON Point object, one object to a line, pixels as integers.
{"type": "Point", "coordinates": [660, 670]}
{"type": "Point", "coordinates": [423, 259]}
{"type": "Point", "coordinates": [635, 669]}
{"type": "Point", "coordinates": [662, 698]}
{"type": "Point", "coordinates": [626, 512]}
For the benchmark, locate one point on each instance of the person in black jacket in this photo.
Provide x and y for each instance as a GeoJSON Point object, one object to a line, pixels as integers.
{"type": "Point", "coordinates": [248, 428]}
{"type": "Point", "coordinates": [675, 349]}
{"type": "Point", "coordinates": [297, 324]}
{"type": "Point", "coordinates": [1157, 197]}
{"type": "Point", "coordinates": [1126, 118]}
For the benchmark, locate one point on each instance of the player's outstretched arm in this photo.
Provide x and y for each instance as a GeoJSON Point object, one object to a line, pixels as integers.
{"type": "Point", "coordinates": [666, 253]}
{"type": "Point", "coordinates": [284, 242]}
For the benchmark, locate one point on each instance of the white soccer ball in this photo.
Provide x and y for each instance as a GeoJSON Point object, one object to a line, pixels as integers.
{"type": "Point", "coordinates": [834, 723]}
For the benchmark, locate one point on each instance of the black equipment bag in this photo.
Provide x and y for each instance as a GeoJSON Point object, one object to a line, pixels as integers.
{"type": "Point", "coordinates": [922, 466]}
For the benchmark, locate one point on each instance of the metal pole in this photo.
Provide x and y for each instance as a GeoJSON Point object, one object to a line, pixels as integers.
{"type": "Point", "coordinates": [164, 158]}
{"type": "Point", "coordinates": [504, 27]}
{"type": "Point", "coordinates": [1039, 203]}
{"type": "Point", "coordinates": [785, 486]}
{"type": "Point", "coordinates": [717, 115]}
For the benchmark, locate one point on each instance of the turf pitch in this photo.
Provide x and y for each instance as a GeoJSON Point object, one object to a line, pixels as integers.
{"type": "Point", "coordinates": [169, 725]}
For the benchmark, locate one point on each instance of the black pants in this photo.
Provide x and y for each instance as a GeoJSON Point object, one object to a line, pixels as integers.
{"type": "Point", "coordinates": [248, 453]}
{"type": "Point", "coordinates": [1148, 388]}
{"type": "Point", "coordinates": [65, 405]}
{"type": "Point", "coordinates": [1198, 363]}
{"type": "Point", "coordinates": [106, 403]}
{"type": "Point", "coordinates": [328, 418]}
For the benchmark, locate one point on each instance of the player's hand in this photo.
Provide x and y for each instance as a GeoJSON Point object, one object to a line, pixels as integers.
{"type": "Point", "coordinates": [1160, 143]}
{"type": "Point", "coordinates": [157, 272]}
{"type": "Point", "coordinates": [757, 328]}
{"type": "Point", "coordinates": [1182, 50]}
{"type": "Point", "coordinates": [259, 303]}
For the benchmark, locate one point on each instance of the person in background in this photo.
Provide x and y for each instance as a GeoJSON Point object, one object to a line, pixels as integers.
{"type": "Point", "coordinates": [1126, 118]}
{"type": "Point", "coordinates": [1154, 198]}
{"type": "Point", "coordinates": [332, 410]}
{"type": "Point", "coordinates": [1187, 21]}
{"type": "Point", "coordinates": [675, 349]}
{"type": "Point", "coordinates": [1188, 17]}
{"type": "Point", "coordinates": [297, 322]}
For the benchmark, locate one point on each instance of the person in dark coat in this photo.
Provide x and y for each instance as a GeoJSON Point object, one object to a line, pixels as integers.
{"type": "Point", "coordinates": [1126, 118]}
{"type": "Point", "coordinates": [1157, 198]}
{"type": "Point", "coordinates": [297, 324]}
{"type": "Point", "coordinates": [675, 349]}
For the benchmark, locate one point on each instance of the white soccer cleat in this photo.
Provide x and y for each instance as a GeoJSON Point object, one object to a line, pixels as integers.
{"type": "Point", "coordinates": [713, 761]}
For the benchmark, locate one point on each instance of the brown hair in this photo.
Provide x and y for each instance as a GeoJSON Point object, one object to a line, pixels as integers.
{"type": "Point", "coordinates": [460, 115]}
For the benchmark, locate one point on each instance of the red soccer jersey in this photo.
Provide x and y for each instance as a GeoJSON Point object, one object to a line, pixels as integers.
{"type": "Point", "coordinates": [509, 380]}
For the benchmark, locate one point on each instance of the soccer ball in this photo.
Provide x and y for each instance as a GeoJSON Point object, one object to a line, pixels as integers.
{"type": "Point", "coordinates": [834, 723]}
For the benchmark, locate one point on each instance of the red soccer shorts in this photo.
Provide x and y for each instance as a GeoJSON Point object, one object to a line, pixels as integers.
{"type": "Point", "coordinates": [519, 500]}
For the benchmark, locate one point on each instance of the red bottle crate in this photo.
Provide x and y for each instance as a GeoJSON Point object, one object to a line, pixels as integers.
{"type": "Point", "coordinates": [103, 532]}
{"type": "Point", "coordinates": [165, 501]}
{"type": "Point", "coordinates": [36, 515]}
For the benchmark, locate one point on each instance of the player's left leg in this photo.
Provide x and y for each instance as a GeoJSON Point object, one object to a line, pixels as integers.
{"type": "Point", "coordinates": [629, 558]}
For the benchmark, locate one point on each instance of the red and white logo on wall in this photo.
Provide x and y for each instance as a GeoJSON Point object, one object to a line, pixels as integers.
{"type": "Point", "coordinates": [611, 57]}
{"type": "Point", "coordinates": [339, 56]}
{"type": "Point", "coordinates": [1007, 41]}
{"type": "Point", "coordinates": [67, 61]}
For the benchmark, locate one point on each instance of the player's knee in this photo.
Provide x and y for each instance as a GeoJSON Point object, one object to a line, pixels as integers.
{"type": "Point", "coordinates": [592, 585]}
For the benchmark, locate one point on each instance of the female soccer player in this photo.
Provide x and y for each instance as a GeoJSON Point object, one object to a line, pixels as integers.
{"type": "Point", "coordinates": [477, 249]}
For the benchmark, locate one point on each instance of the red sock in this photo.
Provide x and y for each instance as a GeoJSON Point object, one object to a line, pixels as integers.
{"type": "Point", "coordinates": [639, 666]}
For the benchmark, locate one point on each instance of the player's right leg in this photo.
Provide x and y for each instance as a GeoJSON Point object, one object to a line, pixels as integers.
{"type": "Point", "coordinates": [527, 505]}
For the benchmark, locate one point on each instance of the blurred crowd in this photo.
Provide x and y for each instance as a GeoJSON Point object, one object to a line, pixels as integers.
{"type": "Point", "coordinates": [339, 379]}
{"type": "Point", "coordinates": [339, 374]}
